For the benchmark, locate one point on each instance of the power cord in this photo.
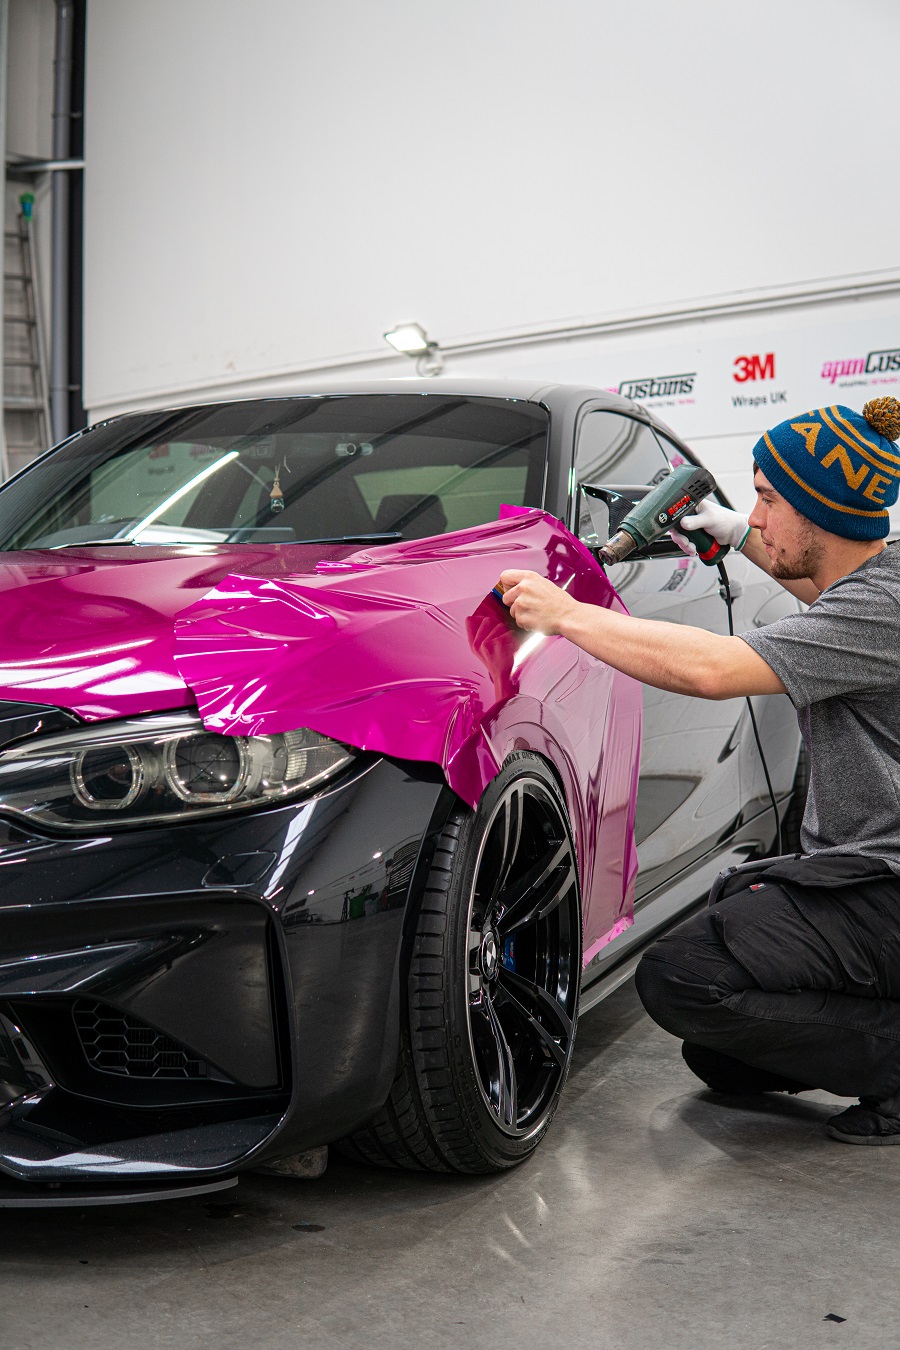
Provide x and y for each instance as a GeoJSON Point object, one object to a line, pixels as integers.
{"type": "Point", "coordinates": [726, 587]}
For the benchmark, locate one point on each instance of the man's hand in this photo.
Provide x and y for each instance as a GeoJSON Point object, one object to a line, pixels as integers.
{"type": "Point", "coordinates": [667, 655]}
{"type": "Point", "coordinates": [721, 523]}
{"type": "Point", "coordinates": [536, 604]}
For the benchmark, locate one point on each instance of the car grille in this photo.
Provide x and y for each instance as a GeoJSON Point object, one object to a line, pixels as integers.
{"type": "Point", "coordinates": [116, 1042]}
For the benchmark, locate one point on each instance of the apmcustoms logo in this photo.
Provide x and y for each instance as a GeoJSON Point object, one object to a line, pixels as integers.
{"type": "Point", "coordinates": [884, 363]}
{"type": "Point", "coordinates": [659, 386]}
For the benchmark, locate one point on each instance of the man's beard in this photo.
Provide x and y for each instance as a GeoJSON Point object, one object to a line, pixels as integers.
{"type": "Point", "coordinates": [806, 560]}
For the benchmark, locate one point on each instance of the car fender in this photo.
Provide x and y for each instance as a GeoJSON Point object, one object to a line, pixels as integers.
{"type": "Point", "coordinates": [405, 650]}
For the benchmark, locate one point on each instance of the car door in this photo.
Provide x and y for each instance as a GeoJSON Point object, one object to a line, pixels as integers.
{"type": "Point", "coordinates": [757, 600]}
{"type": "Point", "coordinates": [689, 796]}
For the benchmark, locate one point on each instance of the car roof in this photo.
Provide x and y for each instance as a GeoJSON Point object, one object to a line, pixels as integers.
{"type": "Point", "coordinates": [550, 393]}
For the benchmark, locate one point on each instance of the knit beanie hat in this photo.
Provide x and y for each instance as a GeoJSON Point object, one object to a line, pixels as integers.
{"type": "Point", "coordinates": [838, 468]}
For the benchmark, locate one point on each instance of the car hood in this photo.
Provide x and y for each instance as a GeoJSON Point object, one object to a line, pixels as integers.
{"type": "Point", "coordinates": [92, 629]}
{"type": "Point", "coordinates": [400, 649]}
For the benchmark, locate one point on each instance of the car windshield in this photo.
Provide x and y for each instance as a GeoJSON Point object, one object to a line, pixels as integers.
{"type": "Point", "coordinates": [283, 471]}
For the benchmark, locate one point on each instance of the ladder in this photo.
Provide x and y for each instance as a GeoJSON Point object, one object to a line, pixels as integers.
{"type": "Point", "coordinates": [26, 405]}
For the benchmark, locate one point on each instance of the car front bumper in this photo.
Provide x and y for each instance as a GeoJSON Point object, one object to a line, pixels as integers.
{"type": "Point", "coordinates": [180, 1004]}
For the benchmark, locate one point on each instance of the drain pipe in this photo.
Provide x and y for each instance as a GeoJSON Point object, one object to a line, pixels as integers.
{"type": "Point", "coordinates": [4, 65]}
{"type": "Point", "coordinates": [59, 210]}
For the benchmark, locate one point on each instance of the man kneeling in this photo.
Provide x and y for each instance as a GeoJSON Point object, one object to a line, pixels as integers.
{"type": "Point", "coordinates": [790, 980]}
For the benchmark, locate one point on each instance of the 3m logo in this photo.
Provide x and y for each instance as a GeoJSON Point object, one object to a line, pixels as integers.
{"type": "Point", "coordinates": [754, 367]}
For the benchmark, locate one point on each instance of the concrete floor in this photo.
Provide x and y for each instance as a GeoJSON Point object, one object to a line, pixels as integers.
{"type": "Point", "coordinates": [652, 1216]}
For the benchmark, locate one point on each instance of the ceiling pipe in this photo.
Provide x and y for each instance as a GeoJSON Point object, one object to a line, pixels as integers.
{"type": "Point", "coordinates": [59, 211]}
{"type": "Point", "coordinates": [26, 168]}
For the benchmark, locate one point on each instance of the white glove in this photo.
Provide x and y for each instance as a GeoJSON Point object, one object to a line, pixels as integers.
{"type": "Point", "coordinates": [725, 526]}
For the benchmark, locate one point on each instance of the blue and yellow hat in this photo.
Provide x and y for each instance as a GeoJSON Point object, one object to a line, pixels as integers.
{"type": "Point", "coordinates": [838, 468]}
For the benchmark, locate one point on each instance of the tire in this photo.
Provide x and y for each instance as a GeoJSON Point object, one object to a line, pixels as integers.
{"type": "Point", "coordinates": [492, 988]}
{"type": "Point", "coordinates": [793, 816]}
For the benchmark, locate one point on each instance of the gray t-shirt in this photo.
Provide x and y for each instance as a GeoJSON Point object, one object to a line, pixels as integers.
{"type": "Point", "coordinates": [839, 664]}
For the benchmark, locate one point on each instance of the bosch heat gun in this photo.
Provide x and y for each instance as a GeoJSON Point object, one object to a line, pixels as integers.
{"type": "Point", "coordinates": [678, 495]}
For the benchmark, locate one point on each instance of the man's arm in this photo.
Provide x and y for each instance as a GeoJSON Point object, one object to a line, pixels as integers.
{"type": "Point", "coordinates": [666, 655]}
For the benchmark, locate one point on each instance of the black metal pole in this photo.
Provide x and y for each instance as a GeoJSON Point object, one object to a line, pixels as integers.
{"type": "Point", "coordinates": [77, 418]}
{"type": "Point", "coordinates": [59, 200]}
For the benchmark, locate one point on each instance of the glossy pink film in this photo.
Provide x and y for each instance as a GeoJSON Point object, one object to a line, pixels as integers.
{"type": "Point", "coordinates": [404, 650]}
{"type": "Point", "coordinates": [400, 649]}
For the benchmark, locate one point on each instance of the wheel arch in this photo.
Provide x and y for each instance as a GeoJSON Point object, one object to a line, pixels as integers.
{"type": "Point", "coordinates": [450, 803]}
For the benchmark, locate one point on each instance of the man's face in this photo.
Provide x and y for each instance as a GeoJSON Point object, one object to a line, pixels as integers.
{"type": "Point", "coordinates": [794, 544]}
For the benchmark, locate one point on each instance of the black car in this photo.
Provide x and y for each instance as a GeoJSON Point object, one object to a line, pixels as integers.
{"type": "Point", "coordinates": [301, 842]}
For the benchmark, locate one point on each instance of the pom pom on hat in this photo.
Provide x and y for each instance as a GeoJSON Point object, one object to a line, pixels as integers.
{"type": "Point", "coordinates": [883, 414]}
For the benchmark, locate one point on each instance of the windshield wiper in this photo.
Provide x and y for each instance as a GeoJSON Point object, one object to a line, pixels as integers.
{"type": "Point", "coordinates": [86, 543]}
{"type": "Point", "coordinates": [352, 538]}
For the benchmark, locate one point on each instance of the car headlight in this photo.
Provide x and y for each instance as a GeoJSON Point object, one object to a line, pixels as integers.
{"type": "Point", "coordinates": [153, 770]}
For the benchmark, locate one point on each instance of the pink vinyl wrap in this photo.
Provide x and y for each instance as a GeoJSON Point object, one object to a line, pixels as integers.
{"type": "Point", "coordinates": [400, 649]}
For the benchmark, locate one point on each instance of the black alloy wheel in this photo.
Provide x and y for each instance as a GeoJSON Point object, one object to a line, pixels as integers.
{"type": "Point", "coordinates": [493, 986]}
{"type": "Point", "coordinates": [520, 940]}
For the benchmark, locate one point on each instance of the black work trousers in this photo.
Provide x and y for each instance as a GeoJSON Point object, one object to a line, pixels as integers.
{"type": "Point", "coordinates": [796, 970]}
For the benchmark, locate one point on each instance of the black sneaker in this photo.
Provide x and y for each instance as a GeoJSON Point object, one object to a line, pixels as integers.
{"type": "Point", "coordinates": [722, 1073]}
{"type": "Point", "coordinates": [868, 1123]}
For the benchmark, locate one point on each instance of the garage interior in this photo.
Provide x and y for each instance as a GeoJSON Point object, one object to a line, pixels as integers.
{"type": "Point", "coordinates": [653, 1215]}
{"type": "Point", "coordinates": [689, 206]}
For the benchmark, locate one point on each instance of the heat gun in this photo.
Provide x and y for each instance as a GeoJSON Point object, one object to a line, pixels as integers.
{"type": "Point", "coordinates": [679, 493]}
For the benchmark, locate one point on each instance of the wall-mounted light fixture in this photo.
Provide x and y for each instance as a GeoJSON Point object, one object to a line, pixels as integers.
{"type": "Point", "coordinates": [412, 340]}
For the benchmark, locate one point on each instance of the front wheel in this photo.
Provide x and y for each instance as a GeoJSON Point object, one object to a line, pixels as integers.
{"type": "Point", "coordinates": [492, 988]}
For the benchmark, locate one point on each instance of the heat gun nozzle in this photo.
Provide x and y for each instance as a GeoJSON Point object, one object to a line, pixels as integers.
{"type": "Point", "coordinates": [617, 548]}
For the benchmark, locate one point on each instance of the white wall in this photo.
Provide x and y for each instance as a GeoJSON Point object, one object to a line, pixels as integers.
{"type": "Point", "coordinates": [29, 78]}
{"type": "Point", "coordinates": [270, 184]}
{"type": "Point", "coordinates": [807, 355]}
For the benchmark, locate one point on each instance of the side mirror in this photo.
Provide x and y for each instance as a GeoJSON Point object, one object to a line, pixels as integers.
{"type": "Point", "coordinates": [607, 507]}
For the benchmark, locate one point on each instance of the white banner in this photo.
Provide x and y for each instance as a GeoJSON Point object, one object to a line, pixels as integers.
{"type": "Point", "coordinates": [724, 387]}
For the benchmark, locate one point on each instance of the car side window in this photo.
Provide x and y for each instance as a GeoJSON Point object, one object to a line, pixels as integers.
{"type": "Point", "coordinates": [615, 451]}
{"type": "Point", "coordinates": [678, 456]}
